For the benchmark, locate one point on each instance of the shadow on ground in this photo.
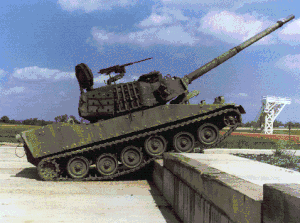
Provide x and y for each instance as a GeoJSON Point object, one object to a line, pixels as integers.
{"type": "Point", "coordinates": [165, 208]}
{"type": "Point", "coordinates": [142, 174]}
{"type": "Point", "coordinates": [29, 173]}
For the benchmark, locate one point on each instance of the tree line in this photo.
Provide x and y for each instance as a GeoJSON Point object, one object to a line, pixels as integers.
{"type": "Point", "coordinates": [35, 121]}
{"type": "Point", "coordinates": [276, 124]}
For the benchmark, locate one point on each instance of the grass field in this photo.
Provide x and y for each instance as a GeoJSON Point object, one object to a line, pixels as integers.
{"type": "Point", "coordinates": [275, 131]}
{"type": "Point", "coordinates": [9, 132]}
{"type": "Point", "coordinates": [252, 143]}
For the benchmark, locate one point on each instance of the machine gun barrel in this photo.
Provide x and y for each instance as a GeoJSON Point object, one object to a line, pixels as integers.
{"type": "Point", "coordinates": [187, 79]}
{"type": "Point", "coordinates": [119, 68]}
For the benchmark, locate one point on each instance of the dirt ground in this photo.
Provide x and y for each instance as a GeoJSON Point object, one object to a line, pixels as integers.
{"type": "Point", "coordinates": [24, 198]}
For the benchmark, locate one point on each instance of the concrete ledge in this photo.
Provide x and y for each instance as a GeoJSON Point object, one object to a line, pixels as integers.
{"type": "Point", "coordinates": [157, 175]}
{"type": "Point", "coordinates": [281, 203]}
{"type": "Point", "coordinates": [232, 197]}
{"type": "Point", "coordinates": [226, 188]}
{"type": "Point", "coordinates": [248, 151]}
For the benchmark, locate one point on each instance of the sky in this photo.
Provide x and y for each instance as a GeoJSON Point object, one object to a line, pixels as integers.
{"type": "Point", "coordinates": [43, 41]}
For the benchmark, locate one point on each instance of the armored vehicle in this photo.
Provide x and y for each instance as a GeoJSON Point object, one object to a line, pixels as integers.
{"type": "Point", "coordinates": [132, 123]}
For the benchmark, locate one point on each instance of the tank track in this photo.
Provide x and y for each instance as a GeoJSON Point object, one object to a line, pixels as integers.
{"type": "Point", "coordinates": [145, 162]}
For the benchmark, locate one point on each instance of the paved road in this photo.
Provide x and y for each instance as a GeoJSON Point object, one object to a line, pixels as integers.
{"type": "Point", "coordinates": [24, 198]}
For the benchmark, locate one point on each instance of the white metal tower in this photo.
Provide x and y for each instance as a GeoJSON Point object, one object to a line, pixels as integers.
{"type": "Point", "coordinates": [271, 107]}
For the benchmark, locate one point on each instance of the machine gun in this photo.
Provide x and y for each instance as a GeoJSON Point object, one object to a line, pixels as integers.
{"type": "Point", "coordinates": [118, 69]}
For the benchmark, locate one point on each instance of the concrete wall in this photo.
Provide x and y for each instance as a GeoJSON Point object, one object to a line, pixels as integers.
{"type": "Point", "coordinates": [281, 203]}
{"type": "Point", "coordinates": [200, 193]}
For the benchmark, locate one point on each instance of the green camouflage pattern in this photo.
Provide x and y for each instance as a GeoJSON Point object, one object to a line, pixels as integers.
{"type": "Point", "coordinates": [60, 137]}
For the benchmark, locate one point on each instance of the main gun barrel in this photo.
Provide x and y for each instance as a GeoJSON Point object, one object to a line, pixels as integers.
{"type": "Point", "coordinates": [187, 79]}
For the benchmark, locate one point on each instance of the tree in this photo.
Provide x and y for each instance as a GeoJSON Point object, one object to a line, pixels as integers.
{"type": "Point", "coordinates": [64, 118]}
{"type": "Point", "coordinates": [43, 122]}
{"type": "Point", "coordinates": [75, 119]}
{"type": "Point", "coordinates": [4, 119]}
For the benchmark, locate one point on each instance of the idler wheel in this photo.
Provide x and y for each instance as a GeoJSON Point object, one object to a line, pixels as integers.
{"type": "Point", "coordinates": [208, 134]}
{"type": "Point", "coordinates": [155, 145]}
{"type": "Point", "coordinates": [107, 164]}
{"type": "Point", "coordinates": [131, 156]}
{"type": "Point", "coordinates": [78, 167]}
{"type": "Point", "coordinates": [47, 171]}
{"type": "Point", "coordinates": [230, 119]}
{"type": "Point", "coordinates": [184, 142]}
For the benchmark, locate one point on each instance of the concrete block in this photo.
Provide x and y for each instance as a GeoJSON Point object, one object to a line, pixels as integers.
{"type": "Point", "coordinates": [198, 213]}
{"type": "Point", "coordinates": [157, 181]}
{"type": "Point", "coordinates": [238, 198]}
{"type": "Point", "coordinates": [157, 175]}
{"type": "Point", "coordinates": [176, 194]}
{"type": "Point", "coordinates": [253, 171]}
{"type": "Point", "coordinates": [168, 186]}
{"type": "Point", "coordinates": [281, 203]}
{"type": "Point", "coordinates": [206, 212]}
{"type": "Point", "coordinates": [180, 204]}
{"type": "Point", "coordinates": [192, 205]}
{"type": "Point", "coordinates": [238, 206]}
{"type": "Point", "coordinates": [186, 203]}
{"type": "Point", "coordinates": [158, 167]}
{"type": "Point", "coordinates": [224, 219]}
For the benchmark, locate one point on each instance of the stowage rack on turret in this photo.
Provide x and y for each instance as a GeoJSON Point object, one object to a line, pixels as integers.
{"type": "Point", "coordinates": [132, 123]}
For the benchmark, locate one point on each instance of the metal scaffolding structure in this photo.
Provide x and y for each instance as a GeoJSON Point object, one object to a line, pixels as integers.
{"type": "Point", "coordinates": [271, 108]}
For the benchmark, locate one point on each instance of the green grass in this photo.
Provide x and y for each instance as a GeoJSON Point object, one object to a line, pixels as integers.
{"type": "Point", "coordinates": [8, 133]}
{"type": "Point", "coordinates": [286, 161]}
{"type": "Point", "coordinates": [251, 143]}
{"type": "Point", "coordinates": [281, 131]}
{"type": "Point", "coordinates": [281, 157]}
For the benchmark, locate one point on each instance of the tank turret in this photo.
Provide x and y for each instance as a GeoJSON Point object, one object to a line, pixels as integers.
{"type": "Point", "coordinates": [149, 90]}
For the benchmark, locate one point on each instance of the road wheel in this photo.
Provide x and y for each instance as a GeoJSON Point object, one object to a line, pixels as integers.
{"type": "Point", "coordinates": [155, 145]}
{"type": "Point", "coordinates": [107, 164]}
{"type": "Point", "coordinates": [47, 171]}
{"type": "Point", "coordinates": [78, 167]}
{"type": "Point", "coordinates": [184, 142]}
{"type": "Point", "coordinates": [131, 156]}
{"type": "Point", "coordinates": [208, 134]}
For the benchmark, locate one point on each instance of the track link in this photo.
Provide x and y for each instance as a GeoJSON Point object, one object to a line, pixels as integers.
{"type": "Point", "coordinates": [53, 159]}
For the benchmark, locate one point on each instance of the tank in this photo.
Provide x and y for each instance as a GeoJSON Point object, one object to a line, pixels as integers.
{"type": "Point", "coordinates": [133, 123]}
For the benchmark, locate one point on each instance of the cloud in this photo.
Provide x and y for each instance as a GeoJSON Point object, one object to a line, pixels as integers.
{"type": "Point", "coordinates": [14, 90]}
{"type": "Point", "coordinates": [173, 35]}
{"type": "Point", "coordinates": [291, 33]}
{"type": "Point", "coordinates": [100, 79]}
{"type": "Point", "coordinates": [163, 26]}
{"type": "Point", "coordinates": [2, 73]}
{"type": "Point", "coordinates": [289, 63]}
{"type": "Point", "coordinates": [92, 5]}
{"type": "Point", "coordinates": [209, 4]}
{"type": "Point", "coordinates": [233, 28]}
{"type": "Point", "coordinates": [36, 73]}
{"type": "Point", "coordinates": [170, 27]}
{"type": "Point", "coordinates": [243, 94]}
{"type": "Point", "coordinates": [163, 16]}
{"type": "Point", "coordinates": [236, 95]}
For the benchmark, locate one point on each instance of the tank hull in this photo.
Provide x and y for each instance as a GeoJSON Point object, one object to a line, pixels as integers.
{"type": "Point", "coordinates": [64, 137]}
